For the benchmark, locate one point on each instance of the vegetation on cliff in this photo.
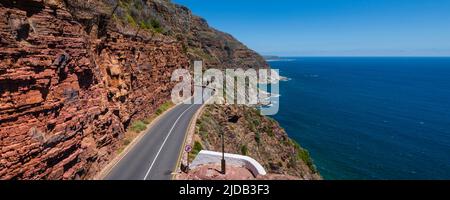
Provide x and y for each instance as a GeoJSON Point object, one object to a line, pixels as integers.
{"type": "Point", "coordinates": [247, 132]}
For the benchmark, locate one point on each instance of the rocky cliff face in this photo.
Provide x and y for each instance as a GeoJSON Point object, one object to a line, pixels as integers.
{"type": "Point", "coordinates": [246, 132]}
{"type": "Point", "coordinates": [67, 94]}
{"type": "Point", "coordinates": [74, 74]}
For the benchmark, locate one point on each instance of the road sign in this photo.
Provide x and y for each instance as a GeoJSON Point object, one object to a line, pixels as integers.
{"type": "Point", "coordinates": [188, 148]}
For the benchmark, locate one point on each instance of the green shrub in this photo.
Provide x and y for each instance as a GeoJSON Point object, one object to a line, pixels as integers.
{"type": "Point", "coordinates": [120, 150]}
{"type": "Point", "coordinates": [244, 150]}
{"type": "Point", "coordinates": [147, 120]}
{"type": "Point", "coordinates": [195, 150]}
{"type": "Point", "coordinates": [155, 24]}
{"type": "Point", "coordinates": [197, 147]}
{"type": "Point", "coordinates": [138, 126]}
{"type": "Point", "coordinates": [124, 4]}
{"type": "Point", "coordinates": [256, 122]}
{"type": "Point", "coordinates": [159, 30]}
{"type": "Point", "coordinates": [130, 20]}
{"type": "Point", "coordinates": [145, 25]}
{"type": "Point", "coordinates": [269, 131]}
{"type": "Point", "coordinates": [258, 138]}
{"type": "Point", "coordinates": [138, 4]}
{"type": "Point", "coordinates": [203, 131]}
{"type": "Point", "coordinates": [304, 155]}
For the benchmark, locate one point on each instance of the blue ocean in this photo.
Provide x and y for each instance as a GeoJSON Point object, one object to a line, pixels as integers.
{"type": "Point", "coordinates": [369, 118]}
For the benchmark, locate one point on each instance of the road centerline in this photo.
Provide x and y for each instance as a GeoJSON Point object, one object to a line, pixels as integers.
{"type": "Point", "coordinates": [165, 140]}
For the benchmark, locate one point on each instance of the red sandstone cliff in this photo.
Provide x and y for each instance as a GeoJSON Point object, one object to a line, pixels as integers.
{"type": "Point", "coordinates": [73, 76]}
{"type": "Point", "coordinates": [66, 95]}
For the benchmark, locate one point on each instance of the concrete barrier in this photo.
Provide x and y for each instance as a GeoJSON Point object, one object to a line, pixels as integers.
{"type": "Point", "coordinates": [209, 157]}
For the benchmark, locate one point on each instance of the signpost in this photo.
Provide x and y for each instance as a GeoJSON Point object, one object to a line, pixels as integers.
{"type": "Point", "coordinates": [188, 149]}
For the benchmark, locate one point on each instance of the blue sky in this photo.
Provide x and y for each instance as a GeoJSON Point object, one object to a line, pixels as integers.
{"type": "Point", "coordinates": [333, 27]}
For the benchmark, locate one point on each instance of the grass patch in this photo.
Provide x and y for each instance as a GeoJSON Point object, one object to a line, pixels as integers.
{"type": "Point", "coordinates": [269, 131]}
{"type": "Point", "coordinates": [145, 25]}
{"type": "Point", "coordinates": [164, 107]}
{"type": "Point", "coordinates": [120, 149]}
{"type": "Point", "coordinates": [138, 126]}
{"type": "Point", "coordinates": [197, 147]}
{"type": "Point", "coordinates": [136, 14]}
{"type": "Point", "coordinates": [195, 150]}
{"type": "Point", "coordinates": [151, 25]}
{"type": "Point", "coordinates": [148, 120]}
{"type": "Point", "coordinates": [156, 26]}
{"type": "Point", "coordinates": [304, 155]}
{"type": "Point", "coordinates": [200, 53]}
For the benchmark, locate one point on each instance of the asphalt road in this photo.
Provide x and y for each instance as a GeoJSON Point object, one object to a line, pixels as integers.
{"type": "Point", "coordinates": [155, 156]}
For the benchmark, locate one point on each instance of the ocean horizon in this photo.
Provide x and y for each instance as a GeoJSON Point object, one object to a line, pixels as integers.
{"type": "Point", "coordinates": [369, 117]}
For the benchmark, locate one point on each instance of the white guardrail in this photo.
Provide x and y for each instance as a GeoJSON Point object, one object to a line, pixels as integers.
{"type": "Point", "coordinates": [209, 157]}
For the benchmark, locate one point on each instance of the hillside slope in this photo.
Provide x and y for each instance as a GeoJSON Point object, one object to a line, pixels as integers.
{"type": "Point", "coordinates": [247, 132]}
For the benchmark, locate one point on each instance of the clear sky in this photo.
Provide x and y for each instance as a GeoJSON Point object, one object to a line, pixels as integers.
{"type": "Point", "coordinates": [332, 27]}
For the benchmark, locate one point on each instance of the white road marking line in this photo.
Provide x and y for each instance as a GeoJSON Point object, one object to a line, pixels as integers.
{"type": "Point", "coordinates": [140, 139]}
{"type": "Point", "coordinates": [165, 140]}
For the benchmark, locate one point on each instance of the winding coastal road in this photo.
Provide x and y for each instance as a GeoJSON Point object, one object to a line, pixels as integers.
{"type": "Point", "coordinates": [155, 155]}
